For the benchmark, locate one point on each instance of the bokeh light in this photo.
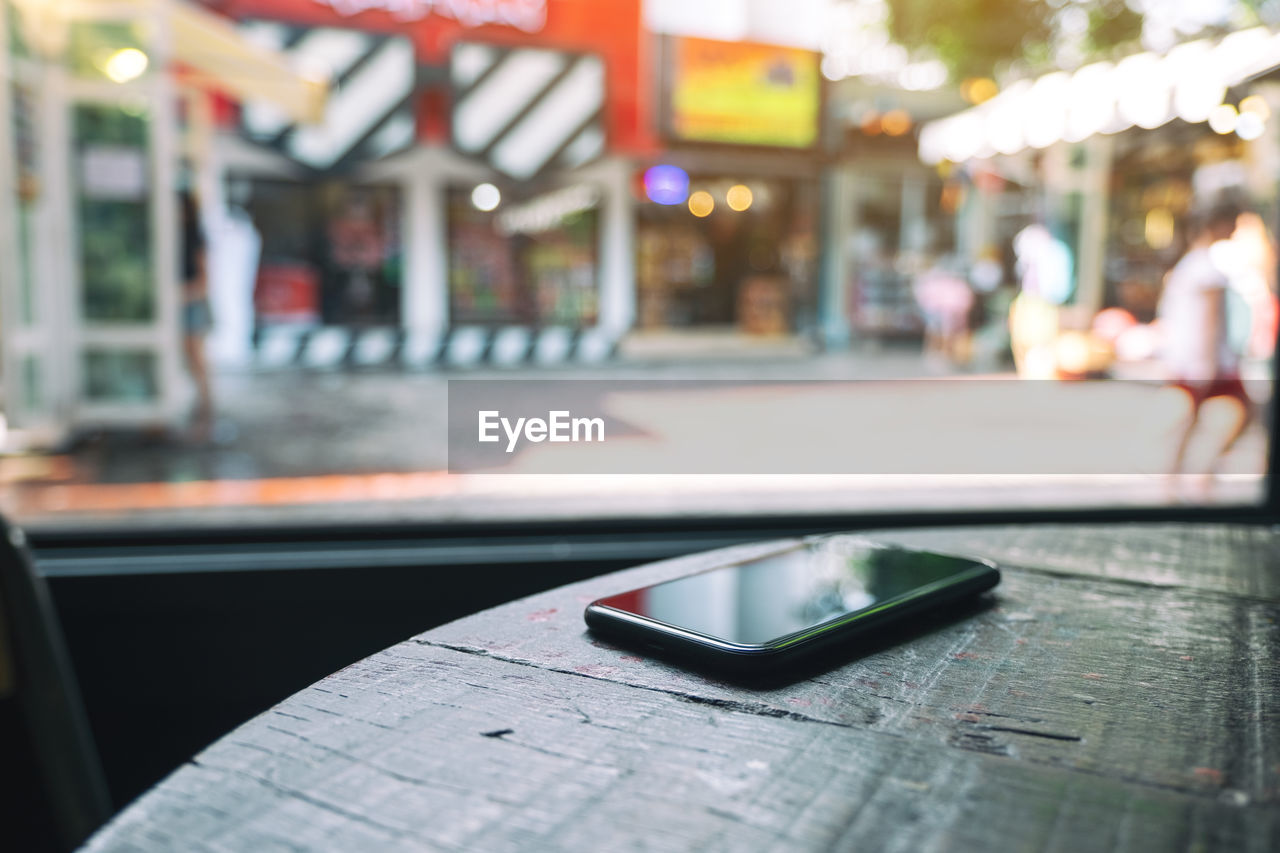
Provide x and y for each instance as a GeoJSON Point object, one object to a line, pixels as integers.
{"type": "Point", "coordinates": [485, 197]}
{"type": "Point", "coordinates": [1159, 228]}
{"type": "Point", "coordinates": [738, 197]}
{"type": "Point", "coordinates": [666, 184]}
{"type": "Point", "coordinates": [975, 90]}
{"type": "Point", "coordinates": [1074, 352]}
{"type": "Point", "coordinates": [1223, 118]}
{"type": "Point", "coordinates": [1256, 105]}
{"type": "Point", "coordinates": [895, 122]}
{"type": "Point", "coordinates": [1249, 126]}
{"type": "Point", "coordinates": [701, 203]}
{"type": "Point", "coordinates": [126, 64]}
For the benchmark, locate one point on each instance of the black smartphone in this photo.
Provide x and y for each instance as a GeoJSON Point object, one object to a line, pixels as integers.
{"type": "Point", "coordinates": [787, 606]}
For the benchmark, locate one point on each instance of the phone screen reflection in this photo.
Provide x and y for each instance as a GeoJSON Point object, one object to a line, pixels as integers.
{"type": "Point", "coordinates": [791, 591]}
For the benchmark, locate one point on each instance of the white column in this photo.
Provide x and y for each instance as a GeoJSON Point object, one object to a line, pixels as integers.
{"type": "Point", "coordinates": [55, 251]}
{"type": "Point", "coordinates": [617, 251]}
{"type": "Point", "coordinates": [976, 223]}
{"type": "Point", "coordinates": [833, 308]}
{"type": "Point", "coordinates": [425, 176]}
{"type": "Point", "coordinates": [425, 292]}
{"type": "Point", "coordinates": [10, 275]}
{"type": "Point", "coordinates": [234, 251]}
{"type": "Point", "coordinates": [164, 224]}
{"type": "Point", "coordinates": [235, 246]}
{"type": "Point", "coordinates": [913, 226]}
{"type": "Point", "coordinates": [1094, 214]}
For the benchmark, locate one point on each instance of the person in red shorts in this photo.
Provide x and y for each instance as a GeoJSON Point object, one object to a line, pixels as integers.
{"type": "Point", "coordinates": [1198, 353]}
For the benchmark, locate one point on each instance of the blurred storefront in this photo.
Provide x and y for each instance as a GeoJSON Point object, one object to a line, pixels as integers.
{"type": "Point", "coordinates": [889, 217]}
{"type": "Point", "coordinates": [525, 231]}
{"type": "Point", "coordinates": [331, 253]}
{"type": "Point", "coordinates": [727, 212]}
{"type": "Point", "coordinates": [465, 198]}
{"type": "Point", "coordinates": [535, 262]}
{"type": "Point", "coordinates": [106, 112]}
{"type": "Point", "coordinates": [1108, 161]}
{"type": "Point", "coordinates": [387, 182]}
{"type": "Point", "coordinates": [740, 254]}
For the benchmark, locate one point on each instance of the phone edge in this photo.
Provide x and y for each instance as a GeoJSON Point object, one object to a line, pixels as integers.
{"type": "Point", "coordinates": [634, 630]}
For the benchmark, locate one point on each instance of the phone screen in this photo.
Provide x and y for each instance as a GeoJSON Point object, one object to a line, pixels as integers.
{"type": "Point", "coordinates": [791, 591]}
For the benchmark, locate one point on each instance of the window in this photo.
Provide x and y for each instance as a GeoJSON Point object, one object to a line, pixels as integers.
{"type": "Point", "coordinates": [553, 259]}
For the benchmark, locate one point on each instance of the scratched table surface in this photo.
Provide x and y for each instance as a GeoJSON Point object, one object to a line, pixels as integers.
{"type": "Point", "coordinates": [1121, 692]}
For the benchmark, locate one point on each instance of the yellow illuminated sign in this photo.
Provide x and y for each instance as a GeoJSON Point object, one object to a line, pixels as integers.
{"type": "Point", "coordinates": [744, 93]}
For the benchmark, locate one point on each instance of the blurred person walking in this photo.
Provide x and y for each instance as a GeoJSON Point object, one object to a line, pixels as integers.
{"type": "Point", "coordinates": [197, 318]}
{"type": "Point", "coordinates": [1047, 280]}
{"type": "Point", "coordinates": [1200, 357]}
{"type": "Point", "coordinates": [1249, 261]}
{"type": "Point", "coordinates": [945, 301]}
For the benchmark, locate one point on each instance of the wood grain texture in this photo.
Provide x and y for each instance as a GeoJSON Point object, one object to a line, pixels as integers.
{"type": "Point", "coordinates": [1236, 559]}
{"type": "Point", "coordinates": [1116, 698]}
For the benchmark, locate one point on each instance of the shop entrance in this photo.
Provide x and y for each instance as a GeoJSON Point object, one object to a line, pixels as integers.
{"type": "Point", "coordinates": [331, 253]}
{"type": "Point", "coordinates": [524, 259]}
{"type": "Point", "coordinates": [900, 226]}
{"type": "Point", "coordinates": [91, 249]}
{"type": "Point", "coordinates": [735, 255]}
{"type": "Point", "coordinates": [121, 265]}
{"type": "Point", "coordinates": [89, 321]}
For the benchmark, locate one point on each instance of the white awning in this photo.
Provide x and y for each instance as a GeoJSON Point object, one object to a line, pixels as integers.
{"type": "Point", "coordinates": [1143, 90]}
{"type": "Point", "coordinates": [211, 46]}
{"type": "Point", "coordinates": [228, 61]}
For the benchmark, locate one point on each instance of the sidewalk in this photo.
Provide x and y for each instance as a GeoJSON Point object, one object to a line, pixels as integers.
{"type": "Point", "coordinates": [303, 446]}
{"type": "Point", "coordinates": [301, 423]}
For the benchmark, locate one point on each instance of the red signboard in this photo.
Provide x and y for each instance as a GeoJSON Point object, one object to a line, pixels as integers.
{"type": "Point", "coordinates": [287, 293]}
{"type": "Point", "coordinates": [611, 29]}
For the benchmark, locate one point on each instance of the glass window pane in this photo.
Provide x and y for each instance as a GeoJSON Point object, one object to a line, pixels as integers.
{"type": "Point", "coordinates": [535, 261]}
{"type": "Point", "coordinates": [119, 376]}
{"type": "Point", "coordinates": [32, 384]}
{"type": "Point", "coordinates": [112, 173]}
{"type": "Point", "coordinates": [26, 274]}
{"type": "Point", "coordinates": [330, 252]}
{"type": "Point", "coordinates": [872, 260]}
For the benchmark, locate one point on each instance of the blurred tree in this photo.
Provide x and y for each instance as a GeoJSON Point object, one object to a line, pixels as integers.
{"type": "Point", "coordinates": [976, 37]}
{"type": "Point", "coordinates": [1111, 23]}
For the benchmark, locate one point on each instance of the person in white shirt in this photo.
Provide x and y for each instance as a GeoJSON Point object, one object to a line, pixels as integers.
{"type": "Point", "coordinates": [1198, 353]}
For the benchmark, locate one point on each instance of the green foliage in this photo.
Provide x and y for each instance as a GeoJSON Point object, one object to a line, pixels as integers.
{"type": "Point", "coordinates": [972, 37]}
{"type": "Point", "coordinates": [976, 37]}
{"type": "Point", "coordinates": [1112, 23]}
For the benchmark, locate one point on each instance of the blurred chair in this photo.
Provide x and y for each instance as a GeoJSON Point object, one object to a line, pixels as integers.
{"type": "Point", "coordinates": [54, 793]}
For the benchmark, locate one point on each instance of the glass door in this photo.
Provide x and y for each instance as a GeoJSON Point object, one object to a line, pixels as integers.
{"type": "Point", "coordinates": [121, 260]}
{"type": "Point", "coordinates": [90, 290]}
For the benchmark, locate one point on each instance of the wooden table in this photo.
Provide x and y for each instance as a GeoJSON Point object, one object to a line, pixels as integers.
{"type": "Point", "coordinates": [1123, 693]}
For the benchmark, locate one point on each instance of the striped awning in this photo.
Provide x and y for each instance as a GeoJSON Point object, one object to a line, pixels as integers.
{"type": "Point", "coordinates": [1144, 90]}
{"type": "Point", "coordinates": [369, 112]}
{"type": "Point", "coordinates": [525, 110]}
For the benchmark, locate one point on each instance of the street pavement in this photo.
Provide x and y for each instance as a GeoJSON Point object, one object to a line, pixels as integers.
{"type": "Point", "coordinates": [302, 446]}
